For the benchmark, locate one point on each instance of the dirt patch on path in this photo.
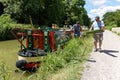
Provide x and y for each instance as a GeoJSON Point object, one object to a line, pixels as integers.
{"type": "Point", "coordinates": [104, 65]}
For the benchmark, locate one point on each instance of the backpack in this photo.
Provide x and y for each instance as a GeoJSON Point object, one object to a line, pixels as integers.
{"type": "Point", "coordinates": [99, 25]}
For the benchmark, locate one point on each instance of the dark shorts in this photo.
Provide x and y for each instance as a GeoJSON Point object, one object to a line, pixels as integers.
{"type": "Point", "coordinates": [98, 37]}
{"type": "Point", "coordinates": [77, 33]}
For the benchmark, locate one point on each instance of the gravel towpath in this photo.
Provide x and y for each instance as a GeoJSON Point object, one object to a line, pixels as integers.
{"type": "Point", "coordinates": [104, 65]}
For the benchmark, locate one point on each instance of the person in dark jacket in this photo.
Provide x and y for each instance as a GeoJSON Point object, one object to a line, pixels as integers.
{"type": "Point", "coordinates": [77, 29]}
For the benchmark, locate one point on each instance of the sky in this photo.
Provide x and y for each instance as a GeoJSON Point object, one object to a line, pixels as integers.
{"type": "Point", "coordinates": [100, 7]}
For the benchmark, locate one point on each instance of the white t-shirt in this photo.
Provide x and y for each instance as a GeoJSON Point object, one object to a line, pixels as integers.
{"type": "Point", "coordinates": [95, 25]}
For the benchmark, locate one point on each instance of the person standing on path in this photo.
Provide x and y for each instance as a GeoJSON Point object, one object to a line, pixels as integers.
{"type": "Point", "coordinates": [77, 28]}
{"type": "Point", "coordinates": [98, 37]}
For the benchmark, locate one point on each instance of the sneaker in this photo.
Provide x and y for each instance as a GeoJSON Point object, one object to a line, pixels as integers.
{"type": "Point", "coordinates": [95, 50]}
{"type": "Point", "coordinates": [99, 49]}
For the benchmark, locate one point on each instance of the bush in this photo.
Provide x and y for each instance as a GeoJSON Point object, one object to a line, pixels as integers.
{"type": "Point", "coordinates": [5, 28]}
{"type": "Point", "coordinates": [6, 24]}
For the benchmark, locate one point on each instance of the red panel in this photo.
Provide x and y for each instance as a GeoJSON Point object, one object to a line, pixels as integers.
{"type": "Point", "coordinates": [32, 64]}
{"type": "Point", "coordinates": [52, 40]}
{"type": "Point", "coordinates": [38, 39]}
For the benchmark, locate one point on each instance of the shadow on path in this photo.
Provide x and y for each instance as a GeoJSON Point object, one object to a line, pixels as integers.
{"type": "Point", "coordinates": [109, 52]}
{"type": "Point", "coordinates": [90, 60]}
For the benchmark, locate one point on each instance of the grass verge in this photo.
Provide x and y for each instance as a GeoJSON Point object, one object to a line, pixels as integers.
{"type": "Point", "coordinates": [66, 64]}
{"type": "Point", "coordinates": [73, 70]}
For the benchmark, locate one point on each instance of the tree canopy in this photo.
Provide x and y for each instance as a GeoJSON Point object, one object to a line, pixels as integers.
{"type": "Point", "coordinates": [46, 12]}
{"type": "Point", "coordinates": [112, 18]}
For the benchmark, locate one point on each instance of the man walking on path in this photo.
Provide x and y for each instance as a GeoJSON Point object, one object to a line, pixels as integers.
{"type": "Point", "coordinates": [104, 65]}
{"type": "Point", "coordinates": [98, 37]}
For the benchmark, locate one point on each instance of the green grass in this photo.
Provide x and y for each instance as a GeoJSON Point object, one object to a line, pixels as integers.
{"type": "Point", "coordinates": [73, 70]}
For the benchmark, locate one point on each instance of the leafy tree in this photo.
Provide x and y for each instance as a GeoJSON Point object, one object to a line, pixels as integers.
{"type": "Point", "coordinates": [54, 11]}
{"type": "Point", "coordinates": [109, 18]}
{"type": "Point", "coordinates": [46, 12]}
{"type": "Point", "coordinates": [118, 18]}
{"type": "Point", "coordinates": [75, 11]}
{"type": "Point", "coordinates": [86, 19]}
{"type": "Point", "coordinates": [22, 9]}
{"type": "Point", "coordinates": [112, 18]}
{"type": "Point", "coordinates": [41, 11]}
